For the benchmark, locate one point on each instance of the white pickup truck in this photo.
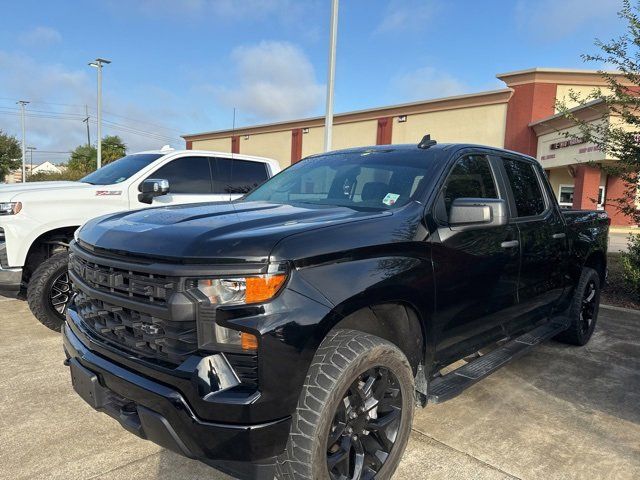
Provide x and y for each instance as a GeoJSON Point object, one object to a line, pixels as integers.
{"type": "Point", "coordinates": [38, 220]}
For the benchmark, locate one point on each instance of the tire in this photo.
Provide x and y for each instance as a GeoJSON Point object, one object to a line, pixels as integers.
{"type": "Point", "coordinates": [584, 309]}
{"type": "Point", "coordinates": [347, 364]}
{"type": "Point", "coordinates": [49, 285]}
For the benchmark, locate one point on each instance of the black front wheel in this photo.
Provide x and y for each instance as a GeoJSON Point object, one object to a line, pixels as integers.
{"type": "Point", "coordinates": [354, 414]}
{"type": "Point", "coordinates": [49, 291]}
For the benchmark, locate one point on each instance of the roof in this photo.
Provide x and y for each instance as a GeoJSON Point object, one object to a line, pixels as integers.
{"type": "Point", "coordinates": [438, 104]}
{"type": "Point", "coordinates": [589, 111]}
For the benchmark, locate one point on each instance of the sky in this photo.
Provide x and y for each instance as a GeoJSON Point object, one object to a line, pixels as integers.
{"type": "Point", "coordinates": [182, 66]}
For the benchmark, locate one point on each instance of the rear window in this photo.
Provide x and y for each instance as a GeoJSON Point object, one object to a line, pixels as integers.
{"type": "Point", "coordinates": [238, 176]}
{"type": "Point", "coordinates": [525, 186]}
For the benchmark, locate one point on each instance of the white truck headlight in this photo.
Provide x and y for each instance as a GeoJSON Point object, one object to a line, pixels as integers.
{"type": "Point", "coordinates": [10, 208]}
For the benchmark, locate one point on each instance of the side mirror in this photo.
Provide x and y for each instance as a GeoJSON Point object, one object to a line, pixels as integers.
{"type": "Point", "coordinates": [151, 188]}
{"type": "Point", "coordinates": [478, 213]}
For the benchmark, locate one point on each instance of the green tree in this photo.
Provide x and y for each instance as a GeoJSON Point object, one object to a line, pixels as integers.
{"type": "Point", "coordinates": [10, 154]}
{"type": "Point", "coordinates": [84, 158]}
{"type": "Point", "coordinates": [619, 135]}
{"type": "Point", "coordinates": [113, 148]}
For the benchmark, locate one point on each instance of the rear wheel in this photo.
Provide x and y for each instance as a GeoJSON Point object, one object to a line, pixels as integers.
{"type": "Point", "coordinates": [354, 415]}
{"type": "Point", "coordinates": [49, 291]}
{"type": "Point", "coordinates": [584, 309]}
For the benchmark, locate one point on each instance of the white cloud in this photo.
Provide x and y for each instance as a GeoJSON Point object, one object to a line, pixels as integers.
{"type": "Point", "coordinates": [427, 83]}
{"type": "Point", "coordinates": [403, 15]}
{"type": "Point", "coordinates": [274, 81]}
{"type": "Point", "coordinates": [40, 36]}
{"type": "Point", "coordinates": [64, 91]}
{"type": "Point", "coordinates": [553, 19]}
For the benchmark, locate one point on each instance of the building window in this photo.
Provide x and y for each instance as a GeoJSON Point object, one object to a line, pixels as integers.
{"type": "Point", "coordinates": [601, 198]}
{"type": "Point", "coordinates": [565, 196]}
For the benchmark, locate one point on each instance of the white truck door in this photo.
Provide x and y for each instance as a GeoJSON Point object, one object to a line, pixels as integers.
{"type": "Point", "coordinates": [190, 181]}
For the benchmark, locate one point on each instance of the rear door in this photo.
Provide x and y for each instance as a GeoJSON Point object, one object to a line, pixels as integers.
{"type": "Point", "coordinates": [476, 268]}
{"type": "Point", "coordinates": [543, 243]}
{"type": "Point", "coordinates": [234, 177]}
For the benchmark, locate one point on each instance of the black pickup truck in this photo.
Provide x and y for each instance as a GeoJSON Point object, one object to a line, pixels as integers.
{"type": "Point", "coordinates": [292, 333]}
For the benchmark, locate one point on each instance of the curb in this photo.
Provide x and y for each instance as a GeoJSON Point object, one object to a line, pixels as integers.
{"type": "Point", "coordinates": [619, 309]}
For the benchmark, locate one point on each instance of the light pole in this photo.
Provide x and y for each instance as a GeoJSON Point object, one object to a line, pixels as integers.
{"type": "Point", "coordinates": [333, 38]}
{"type": "Point", "coordinates": [23, 104]}
{"type": "Point", "coordinates": [97, 63]}
{"type": "Point", "coordinates": [31, 149]}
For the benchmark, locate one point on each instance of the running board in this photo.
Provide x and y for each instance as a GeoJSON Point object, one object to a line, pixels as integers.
{"type": "Point", "coordinates": [451, 385]}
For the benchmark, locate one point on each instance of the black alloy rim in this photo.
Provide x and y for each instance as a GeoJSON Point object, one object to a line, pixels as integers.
{"type": "Point", "coordinates": [60, 293]}
{"type": "Point", "coordinates": [365, 426]}
{"type": "Point", "coordinates": [588, 309]}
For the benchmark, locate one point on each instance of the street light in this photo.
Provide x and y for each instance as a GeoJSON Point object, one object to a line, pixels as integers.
{"type": "Point", "coordinates": [98, 64]}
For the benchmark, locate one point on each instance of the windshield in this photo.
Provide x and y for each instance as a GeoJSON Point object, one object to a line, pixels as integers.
{"type": "Point", "coordinates": [378, 179]}
{"type": "Point", "coordinates": [120, 170]}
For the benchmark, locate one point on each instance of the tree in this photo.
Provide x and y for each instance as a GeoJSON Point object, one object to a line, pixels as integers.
{"type": "Point", "coordinates": [10, 154]}
{"type": "Point", "coordinates": [84, 158]}
{"type": "Point", "coordinates": [619, 135]}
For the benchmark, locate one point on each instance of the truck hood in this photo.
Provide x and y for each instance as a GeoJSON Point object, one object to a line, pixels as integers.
{"type": "Point", "coordinates": [213, 232]}
{"type": "Point", "coordinates": [9, 190]}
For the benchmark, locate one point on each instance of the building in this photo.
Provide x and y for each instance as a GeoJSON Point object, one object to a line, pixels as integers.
{"type": "Point", "coordinates": [45, 167]}
{"type": "Point", "coordinates": [522, 116]}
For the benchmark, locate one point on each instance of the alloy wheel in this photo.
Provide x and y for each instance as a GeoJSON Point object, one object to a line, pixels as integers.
{"type": "Point", "coordinates": [588, 308]}
{"type": "Point", "coordinates": [365, 426]}
{"type": "Point", "coordinates": [60, 293]}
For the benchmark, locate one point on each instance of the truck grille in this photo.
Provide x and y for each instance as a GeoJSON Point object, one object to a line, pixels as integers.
{"type": "Point", "coordinates": [150, 337]}
{"type": "Point", "coordinates": [154, 289]}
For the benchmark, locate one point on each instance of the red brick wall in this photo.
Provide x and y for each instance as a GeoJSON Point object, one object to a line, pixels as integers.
{"type": "Point", "coordinates": [616, 189]}
{"type": "Point", "coordinates": [235, 144]}
{"type": "Point", "coordinates": [529, 102]}
{"type": "Point", "coordinates": [296, 145]}
{"type": "Point", "coordinates": [189, 145]}
{"type": "Point", "coordinates": [587, 182]}
{"type": "Point", "coordinates": [385, 130]}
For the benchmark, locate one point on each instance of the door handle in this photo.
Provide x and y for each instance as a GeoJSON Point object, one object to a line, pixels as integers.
{"type": "Point", "coordinates": [510, 244]}
{"type": "Point", "coordinates": [558, 236]}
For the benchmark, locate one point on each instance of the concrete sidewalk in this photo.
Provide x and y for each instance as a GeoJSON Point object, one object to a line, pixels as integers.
{"type": "Point", "coordinates": [557, 413]}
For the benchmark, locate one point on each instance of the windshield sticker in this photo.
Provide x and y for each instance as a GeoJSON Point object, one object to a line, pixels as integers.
{"type": "Point", "coordinates": [108, 193]}
{"type": "Point", "coordinates": [390, 198]}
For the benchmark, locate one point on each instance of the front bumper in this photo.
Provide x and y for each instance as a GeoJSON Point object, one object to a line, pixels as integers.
{"type": "Point", "coordinates": [10, 282]}
{"type": "Point", "coordinates": [161, 414]}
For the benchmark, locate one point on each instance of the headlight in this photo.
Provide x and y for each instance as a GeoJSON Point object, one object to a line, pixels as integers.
{"type": "Point", "coordinates": [239, 291]}
{"type": "Point", "coordinates": [10, 208]}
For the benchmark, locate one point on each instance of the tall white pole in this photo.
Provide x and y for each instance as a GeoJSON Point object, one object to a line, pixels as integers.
{"type": "Point", "coordinates": [333, 38]}
{"type": "Point", "coordinates": [98, 63]}
{"type": "Point", "coordinates": [99, 114]}
{"type": "Point", "coordinates": [22, 104]}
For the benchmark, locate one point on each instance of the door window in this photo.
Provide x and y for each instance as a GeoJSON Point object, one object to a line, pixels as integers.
{"type": "Point", "coordinates": [525, 186]}
{"type": "Point", "coordinates": [238, 176]}
{"type": "Point", "coordinates": [186, 175]}
{"type": "Point", "coordinates": [471, 177]}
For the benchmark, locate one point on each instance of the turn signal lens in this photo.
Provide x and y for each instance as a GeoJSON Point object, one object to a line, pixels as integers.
{"type": "Point", "coordinates": [248, 341]}
{"type": "Point", "coordinates": [263, 288]}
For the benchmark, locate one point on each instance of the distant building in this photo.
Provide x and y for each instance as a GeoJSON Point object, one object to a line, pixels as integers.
{"type": "Point", "coordinates": [16, 175]}
{"type": "Point", "coordinates": [521, 117]}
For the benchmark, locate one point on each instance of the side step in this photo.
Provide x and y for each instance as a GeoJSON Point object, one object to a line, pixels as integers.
{"type": "Point", "coordinates": [454, 383]}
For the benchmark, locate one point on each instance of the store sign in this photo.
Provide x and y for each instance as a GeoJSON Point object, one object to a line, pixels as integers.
{"type": "Point", "coordinates": [567, 143]}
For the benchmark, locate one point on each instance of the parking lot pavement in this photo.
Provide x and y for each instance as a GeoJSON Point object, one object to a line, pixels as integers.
{"type": "Point", "coordinates": [559, 412]}
{"type": "Point", "coordinates": [618, 241]}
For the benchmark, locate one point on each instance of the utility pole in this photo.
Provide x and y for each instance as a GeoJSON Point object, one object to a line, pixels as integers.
{"type": "Point", "coordinates": [31, 149]}
{"type": "Point", "coordinates": [333, 39]}
{"type": "Point", "coordinates": [86, 120]}
{"type": "Point", "coordinates": [23, 104]}
{"type": "Point", "coordinates": [98, 63]}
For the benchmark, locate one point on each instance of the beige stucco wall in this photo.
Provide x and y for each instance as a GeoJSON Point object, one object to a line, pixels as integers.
{"type": "Point", "coordinates": [562, 93]}
{"type": "Point", "coordinates": [356, 134]}
{"type": "Point", "coordinates": [313, 141]}
{"type": "Point", "coordinates": [560, 176]}
{"type": "Point", "coordinates": [276, 145]}
{"type": "Point", "coordinates": [216, 145]}
{"type": "Point", "coordinates": [484, 125]}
